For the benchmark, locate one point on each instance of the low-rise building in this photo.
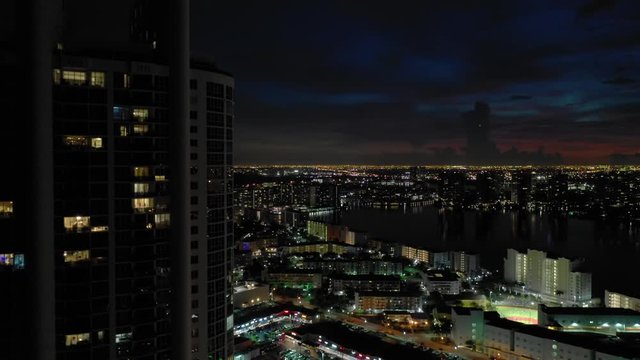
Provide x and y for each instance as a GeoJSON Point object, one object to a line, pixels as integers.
{"type": "Point", "coordinates": [378, 301]}
{"type": "Point", "coordinates": [467, 326]}
{"type": "Point", "coordinates": [250, 294]}
{"type": "Point", "coordinates": [294, 278]}
{"type": "Point", "coordinates": [600, 319]}
{"type": "Point", "coordinates": [445, 283]}
{"type": "Point", "coordinates": [614, 299]}
{"type": "Point", "coordinates": [258, 243]}
{"type": "Point", "coordinates": [341, 282]}
{"type": "Point", "coordinates": [320, 247]}
{"type": "Point", "coordinates": [505, 339]}
{"type": "Point", "coordinates": [415, 254]}
{"type": "Point", "coordinates": [354, 266]}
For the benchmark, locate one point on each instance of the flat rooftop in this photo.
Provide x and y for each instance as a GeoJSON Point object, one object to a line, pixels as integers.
{"type": "Point", "coordinates": [589, 311]}
{"type": "Point", "coordinates": [362, 342]}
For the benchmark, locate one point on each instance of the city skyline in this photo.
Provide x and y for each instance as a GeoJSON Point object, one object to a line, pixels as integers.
{"type": "Point", "coordinates": [337, 83]}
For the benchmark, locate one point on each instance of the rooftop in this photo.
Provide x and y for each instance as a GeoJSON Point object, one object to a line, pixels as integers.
{"type": "Point", "coordinates": [589, 311]}
{"type": "Point", "coordinates": [390, 293]}
{"type": "Point", "coordinates": [372, 277]}
{"type": "Point", "coordinates": [361, 342]}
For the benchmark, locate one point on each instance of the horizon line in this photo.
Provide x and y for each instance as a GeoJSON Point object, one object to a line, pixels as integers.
{"type": "Point", "coordinates": [436, 166]}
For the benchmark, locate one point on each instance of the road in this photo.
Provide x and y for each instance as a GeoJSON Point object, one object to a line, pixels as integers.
{"type": "Point", "coordinates": [418, 338]}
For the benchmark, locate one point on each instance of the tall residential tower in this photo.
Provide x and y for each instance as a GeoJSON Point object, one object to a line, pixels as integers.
{"type": "Point", "coordinates": [116, 199]}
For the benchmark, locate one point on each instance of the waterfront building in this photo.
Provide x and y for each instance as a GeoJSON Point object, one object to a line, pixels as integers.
{"type": "Point", "coordinates": [557, 278]}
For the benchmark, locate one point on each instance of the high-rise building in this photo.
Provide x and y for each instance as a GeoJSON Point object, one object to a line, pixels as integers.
{"type": "Point", "coordinates": [123, 188]}
{"type": "Point", "coordinates": [539, 273]}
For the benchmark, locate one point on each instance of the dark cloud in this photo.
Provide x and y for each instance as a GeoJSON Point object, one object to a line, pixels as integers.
{"type": "Point", "coordinates": [596, 6]}
{"type": "Point", "coordinates": [520, 97]}
{"type": "Point", "coordinates": [620, 81]}
{"type": "Point", "coordinates": [338, 81]}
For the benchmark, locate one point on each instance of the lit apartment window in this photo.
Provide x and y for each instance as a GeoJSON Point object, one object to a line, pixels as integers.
{"type": "Point", "coordinates": [76, 223]}
{"type": "Point", "coordinates": [127, 80]}
{"type": "Point", "coordinates": [123, 337]}
{"type": "Point", "coordinates": [76, 256]}
{"type": "Point", "coordinates": [124, 131]}
{"type": "Point", "coordinates": [57, 76]}
{"type": "Point", "coordinates": [162, 221]}
{"type": "Point", "coordinates": [76, 339]}
{"type": "Point", "coordinates": [6, 208]}
{"type": "Point", "coordinates": [141, 114]}
{"type": "Point", "coordinates": [14, 260]}
{"type": "Point", "coordinates": [141, 171]}
{"type": "Point", "coordinates": [7, 259]}
{"type": "Point", "coordinates": [71, 140]}
{"type": "Point", "coordinates": [142, 204]}
{"type": "Point", "coordinates": [140, 188]}
{"type": "Point", "coordinates": [140, 129]}
{"type": "Point", "coordinates": [97, 79]}
{"type": "Point", "coordinates": [102, 228]}
{"type": "Point", "coordinates": [160, 178]}
{"type": "Point", "coordinates": [96, 143]}
{"type": "Point", "coordinates": [74, 77]}
{"type": "Point", "coordinates": [18, 261]}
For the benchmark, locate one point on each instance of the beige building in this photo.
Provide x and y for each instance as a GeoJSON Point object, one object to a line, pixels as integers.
{"type": "Point", "coordinates": [617, 300]}
{"type": "Point", "coordinates": [415, 254]}
{"type": "Point", "coordinates": [378, 301]}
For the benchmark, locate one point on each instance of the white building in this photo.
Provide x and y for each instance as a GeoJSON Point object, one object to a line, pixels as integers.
{"type": "Point", "coordinates": [467, 325]}
{"type": "Point", "coordinates": [443, 282]}
{"type": "Point", "coordinates": [554, 277]}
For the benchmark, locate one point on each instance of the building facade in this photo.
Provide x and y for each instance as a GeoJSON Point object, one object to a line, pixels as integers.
{"type": "Point", "coordinates": [105, 273]}
{"type": "Point", "coordinates": [614, 299]}
{"type": "Point", "coordinates": [554, 277]}
{"type": "Point", "coordinates": [378, 301]}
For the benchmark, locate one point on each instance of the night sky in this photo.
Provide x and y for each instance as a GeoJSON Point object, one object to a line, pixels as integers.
{"type": "Point", "coordinates": [387, 82]}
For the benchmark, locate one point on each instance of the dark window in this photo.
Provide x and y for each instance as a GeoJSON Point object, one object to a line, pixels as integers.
{"type": "Point", "coordinates": [229, 93]}
{"type": "Point", "coordinates": [193, 142]}
{"type": "Point", "coordinates": [214, 119]}
{"type": "Point", "coordinates": [193, 115]}
{"type": "Point", "coordinates": [193, 129]}
{"type": "Point", "coordinates": [193, 84]}
{"type": "Point", "coordinates": [215, 90]}
{"type": "Point", "coordinates": [194, 230]}
{"type": "Point", "coordinates": [214, 104]}
{"type": "Point", "coordinates": [194, 156]}
{"type": "Point", "coordinates": [194, 200]}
